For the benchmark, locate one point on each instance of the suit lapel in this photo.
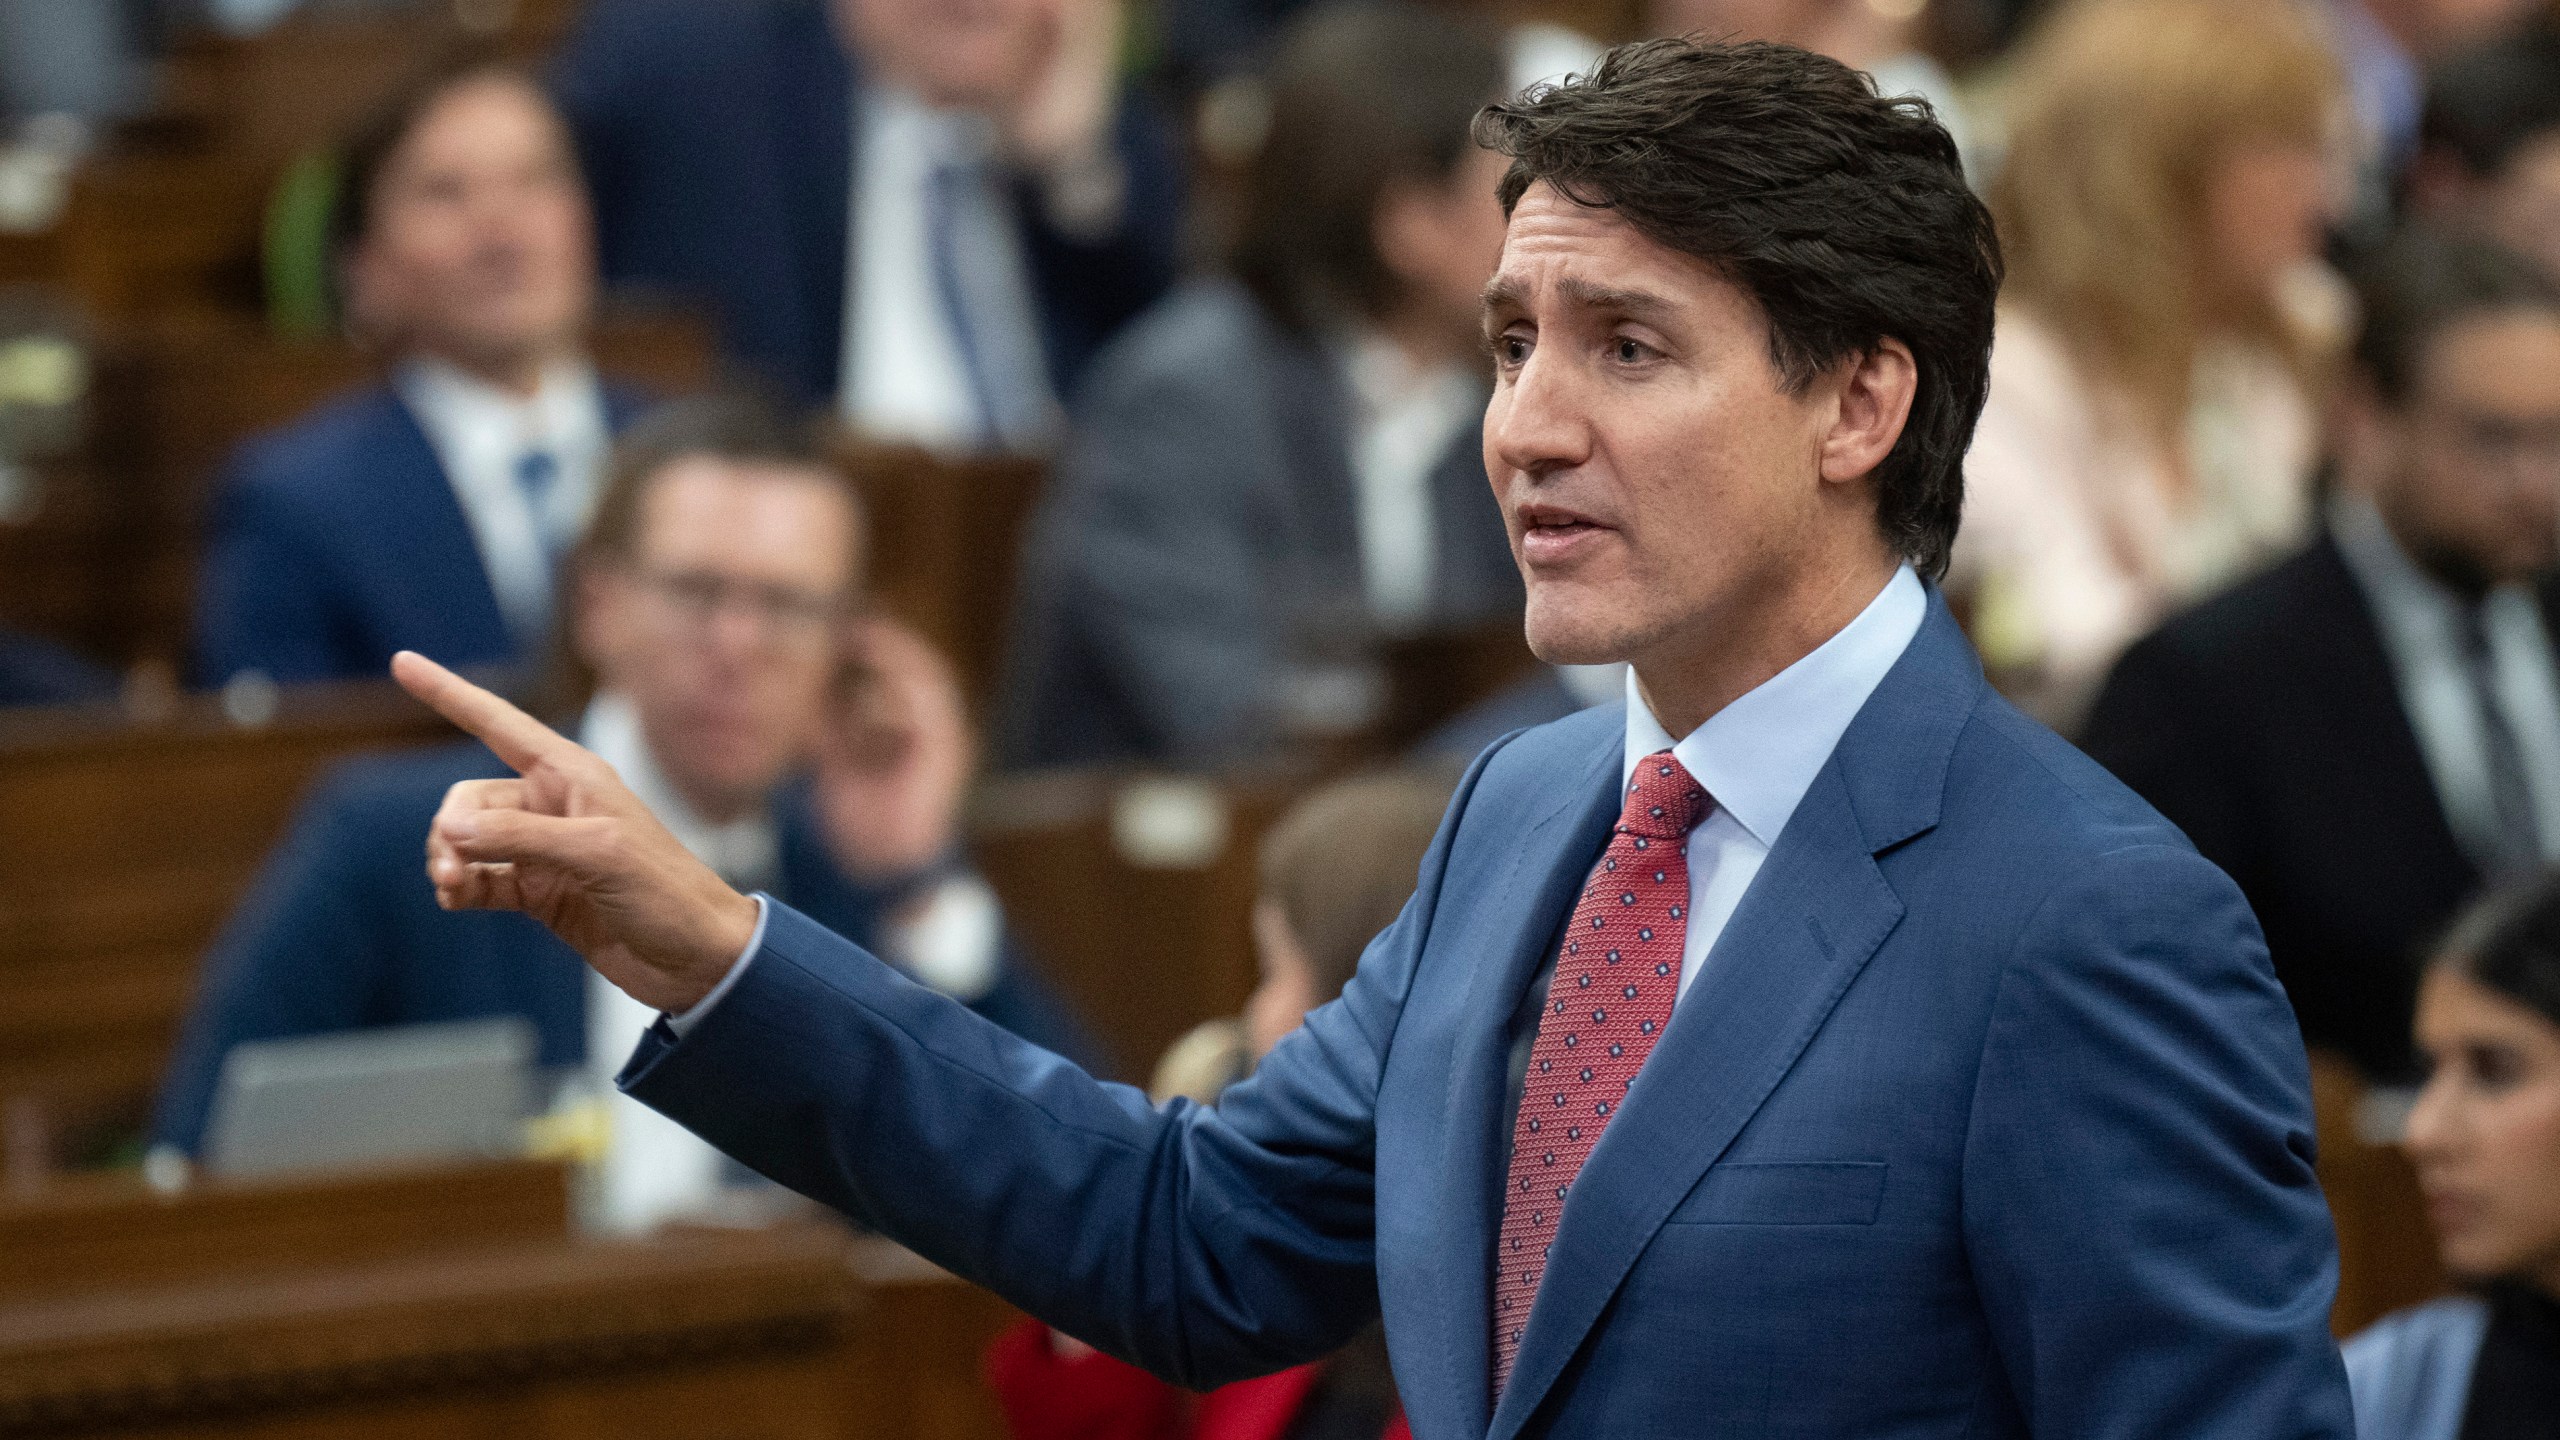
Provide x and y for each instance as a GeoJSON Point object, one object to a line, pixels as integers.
{"type": "Point", "coordinates": [1812, 918]}
{"type": "Point", "coordinates": [1532, 899]}
{"type": "Point", "coordinates": [422, 515]}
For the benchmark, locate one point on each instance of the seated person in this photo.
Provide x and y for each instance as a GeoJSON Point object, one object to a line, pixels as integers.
{"type": "Point", "coordinates": [2366, 732]}
{"type": "Point", "coordinates": [1335, 871]}
{"type": "Point", "coordinates": [1276, 468]}
{"type": "Point", "coordinates": [2485, 1137]}
{"type": "Point", "coordinates": [2489, 144]}
{"type": "Point", "coordinates": [716, 606]}
{"type": "Point", "coordinates": [430, 512]}
{"type": "Point", "coordinates": [931, 214]}
{"type": "Point", "coordinates": [38, 671]}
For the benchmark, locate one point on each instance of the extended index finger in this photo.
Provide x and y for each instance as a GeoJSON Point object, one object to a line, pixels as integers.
{"type": "Point", "coordinates": [515, 737]}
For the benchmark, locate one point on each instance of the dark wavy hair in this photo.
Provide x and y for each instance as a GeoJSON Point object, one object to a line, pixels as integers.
{"type": "Point", "coordinates": [1844, 214]}
{"type": "Point", "coordinates": [2509, 942]}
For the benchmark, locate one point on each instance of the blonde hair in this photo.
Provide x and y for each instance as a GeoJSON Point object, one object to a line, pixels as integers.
{"type": "Point", "coordinates": [2120, 114]}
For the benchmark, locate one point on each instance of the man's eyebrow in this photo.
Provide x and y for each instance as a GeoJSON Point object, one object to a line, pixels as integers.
{"type": "Point", "coordinates": [1507, 293]}
{"type": "Point", "coordinates": [1634, 304]}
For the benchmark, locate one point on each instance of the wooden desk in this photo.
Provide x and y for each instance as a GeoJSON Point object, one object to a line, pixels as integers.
{"type": "Point", "coordinates": [434, 1302]}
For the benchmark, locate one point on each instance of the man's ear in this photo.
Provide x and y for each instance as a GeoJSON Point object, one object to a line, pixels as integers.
{"type": "Point", "coordinates": [1876, 391]}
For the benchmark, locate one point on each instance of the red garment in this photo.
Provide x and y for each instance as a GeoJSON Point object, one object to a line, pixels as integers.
{"type": "Point", "coordinates": [1607, 1005]}
{"type": "Point", "coordinates": [1049, 1396]}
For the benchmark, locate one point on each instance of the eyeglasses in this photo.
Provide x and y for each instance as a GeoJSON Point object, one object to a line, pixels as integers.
{"type": "Point", "coordinates": [787, 612]}
{"type": "Point", "coordinates": [2512, 447]}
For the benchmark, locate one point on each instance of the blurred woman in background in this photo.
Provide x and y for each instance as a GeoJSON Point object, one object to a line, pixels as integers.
{"type": "Point", "coordinates": [1335, 871]}
{"type": "Point", "coordinates": [2485, 1136]}
{"type": "Point", "coordinates": [2168, 179]}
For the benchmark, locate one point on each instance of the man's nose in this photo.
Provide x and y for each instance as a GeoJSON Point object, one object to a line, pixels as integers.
{"type": "Point", "coordinates": [1538, 423]}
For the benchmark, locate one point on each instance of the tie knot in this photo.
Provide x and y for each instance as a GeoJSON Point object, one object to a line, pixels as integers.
{"type": "Point", "coordinates": [1662, 800]}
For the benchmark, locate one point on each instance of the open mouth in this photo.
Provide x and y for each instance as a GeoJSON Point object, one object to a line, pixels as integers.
{"type": "Point", "coordinates": [1551, 533]}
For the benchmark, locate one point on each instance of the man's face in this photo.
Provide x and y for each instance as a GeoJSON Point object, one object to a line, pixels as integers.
{"type": "Point", "coordinates": [1657, 479]}
{"type": "Point", "coordinates": [2470, 468]}
{"type": "Point", "coordinates": [964, 54]}
{"type": "Point", "coordinates": [2522, 206]}
{"type": "Point", "coordinates": [479, 246]}
{"type": "Point", "coordinates": [721, 628]}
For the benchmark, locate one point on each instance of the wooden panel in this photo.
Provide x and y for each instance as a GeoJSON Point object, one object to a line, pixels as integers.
{"type": "Point", "coordinates": [945, 540]}
{"type": "Point", "coordinates": [2386, 1252]}
{"type": "Point", "coordinates": [1145, 949]}
{"type": "Point", "coordinates": [79, 1234]}
{"type": "Point", "coordinates": [742, 1334]}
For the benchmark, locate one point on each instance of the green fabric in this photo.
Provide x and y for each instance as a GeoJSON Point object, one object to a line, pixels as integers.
{"type": "Point", "coordinates": [299, 302]}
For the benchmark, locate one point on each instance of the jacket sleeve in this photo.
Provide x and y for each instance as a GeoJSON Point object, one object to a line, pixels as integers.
{"type": "Point", "coordinates": [2151, 1248]}
{"type": "Point", "coordinates": [1202, 1244]}
{"type": "Point", "coordinates": [299, 957]}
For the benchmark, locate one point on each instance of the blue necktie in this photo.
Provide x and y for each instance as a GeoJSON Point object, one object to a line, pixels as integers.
{"type": "Point", "coordinates": [949, 188]}
{"type": "Point", "coordinates": [538, 476]}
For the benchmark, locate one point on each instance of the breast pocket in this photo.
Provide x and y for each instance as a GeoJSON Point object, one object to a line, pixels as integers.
{"type": "Point", "coordinates": [1794, 1192]}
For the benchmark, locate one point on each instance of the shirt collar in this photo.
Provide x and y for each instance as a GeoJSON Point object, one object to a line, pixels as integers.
{"type": "Point", "coordinates": [1758, 755]}
{"type": "Point", "coordinates": [745, 852]}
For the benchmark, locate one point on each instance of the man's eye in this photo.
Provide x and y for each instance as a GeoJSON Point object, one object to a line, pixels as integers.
{"type": "Point", "coordinates": [1511, 349]}
{"type": "Point", "coordinates": [1626, 351]}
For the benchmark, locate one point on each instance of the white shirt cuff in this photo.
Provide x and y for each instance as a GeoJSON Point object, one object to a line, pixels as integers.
{"type": "Point", "coordinates": [738, 967]}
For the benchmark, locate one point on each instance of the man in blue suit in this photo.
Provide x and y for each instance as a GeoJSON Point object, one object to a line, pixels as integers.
{"type": "Point", "coordinates": [431, 510]}
{"type": "Point", "coordinates": [1814, 1046]}
{"type": "Point", "coordinates": [931, 215]}
{"type": "Point", "coordinates": [711, 597]}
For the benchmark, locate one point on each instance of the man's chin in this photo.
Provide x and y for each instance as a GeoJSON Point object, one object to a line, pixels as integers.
{"type": "Point", "coordinates": [1565, 634]}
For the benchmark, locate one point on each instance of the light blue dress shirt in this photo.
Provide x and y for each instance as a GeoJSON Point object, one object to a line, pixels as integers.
{"type": "Point", "coordinates": [1758, 755]}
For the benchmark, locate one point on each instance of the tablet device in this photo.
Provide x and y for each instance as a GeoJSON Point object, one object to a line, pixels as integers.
{"type": "Point", "coordinates": [368, 1097]}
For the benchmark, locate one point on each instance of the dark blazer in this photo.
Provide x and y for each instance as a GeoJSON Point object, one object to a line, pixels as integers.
{"type": "Point", "coordinates": [717, 137]}
{"type": "Point", "coordinates": [38, 671]}
{"type": "Point", "coordinates": [342, 932]}
{"type": "Point", "coordinates": [1986, 1118]}
{"type": "Point", "coordinates": [1198, 541]}
{"type": "Point", "coordinates": [337, 541]}
{"type": "Point", "coordinates": [2267, 724]}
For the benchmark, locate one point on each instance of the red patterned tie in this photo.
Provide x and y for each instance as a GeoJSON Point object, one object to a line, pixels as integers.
{"type": "Point", "coordinates": [1611, 996]}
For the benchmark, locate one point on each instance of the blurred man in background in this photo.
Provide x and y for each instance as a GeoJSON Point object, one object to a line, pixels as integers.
{"type": "Point", "coordinates": [2365, 733]}
{"type": "Point", "coordinates": [929, 211]}
{"type": "Point", "coordinates": [1278, 467]}
{"type": "Point", "coordinates": [2489, 155]}
{"type": "Point", "coordinates": [432, 510]}
{"type": "Point", "coordinates": [712, 607]}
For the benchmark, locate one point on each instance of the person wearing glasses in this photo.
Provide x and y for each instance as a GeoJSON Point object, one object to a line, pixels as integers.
{"type": "Point", "coordinates": [716, 652]}
{"type": "Point", "coordinates": [2368, 733]}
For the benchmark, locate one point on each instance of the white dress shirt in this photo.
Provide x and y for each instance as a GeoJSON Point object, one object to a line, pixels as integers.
{"type": "Point", "coordinates": [2422, 632]}
{"type": "Point", "coordinates": [479, 433]}
{"type": "Point", "coordinates": [905, 378]}
{"type": "Point", "coordinates": [654, 1169]}
{"type": "Point", "coordinates": [1404, 419]}
{"type": "Point", "coordinates": [1758, 755]}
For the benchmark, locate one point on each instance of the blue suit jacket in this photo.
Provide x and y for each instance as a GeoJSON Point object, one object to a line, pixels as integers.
{"type": "Point", "coordinates": [1986, 1117]}
{"type": "Point", "coordinates": [337, 541]}
{"type": "Point", "coordinates": [342, 932]}
{"type": "Point", "coordinates": [717, 138]}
